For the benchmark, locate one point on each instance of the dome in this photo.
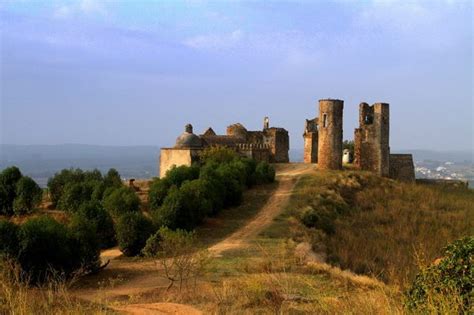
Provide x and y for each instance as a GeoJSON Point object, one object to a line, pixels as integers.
{"type": "Point", "coordinates": [188, 139]}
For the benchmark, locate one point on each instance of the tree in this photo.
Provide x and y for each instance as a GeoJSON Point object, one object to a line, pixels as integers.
{"type": "Point", "coordinates": [28, 195]}
{"type": "Point", "coordinates": [95, 213]}
{"type": "Point", "coordinates": [121, 200]}
{"type": "Point", "coordinates": [159, 189]}
{"type": "Point", "coordinates": [218, 155]}
{"type": "Point", "coordinates": [9, 177]}
{"type": "Point", "coordinates": [45, 246]}
{"type": "Point", "coordinates": [133, 230]}
{"type": "Point", "coordinates": [264, 173]}
{"type": "Point", "coordinates": [178, 175]}
{"type": "Point", "coordinates": [57, 183]}
{"type": "Point", "coordinates": [177, 255]}
{"type": "Point", "coordinates": [75, 194]}
{"type": "Point", "coordinates": [85, 243]}
{"type": "Point", "coordinates": [112, 178]}
{"type": "Point", "coordinates": [8, 239]}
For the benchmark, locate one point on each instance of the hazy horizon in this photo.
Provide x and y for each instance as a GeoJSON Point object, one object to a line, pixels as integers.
{"type": "Point", "coordinates": [134, 73]}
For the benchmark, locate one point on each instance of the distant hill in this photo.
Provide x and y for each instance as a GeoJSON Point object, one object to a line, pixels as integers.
{"type": "Point", "coordinates": [42, 161]}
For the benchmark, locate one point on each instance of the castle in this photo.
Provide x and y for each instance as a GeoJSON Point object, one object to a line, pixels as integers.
{"type": "Point", "coordinates": [270, 144]}
{"type": "Point", "coordinates": [323, 143]}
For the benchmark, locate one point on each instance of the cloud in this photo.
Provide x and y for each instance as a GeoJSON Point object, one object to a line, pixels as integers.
{"type": "Point", "coordinates": [81, 8]}
{"type": "Point", "coordinates": [215, 41]}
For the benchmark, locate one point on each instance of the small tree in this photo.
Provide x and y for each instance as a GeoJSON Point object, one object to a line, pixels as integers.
{"type": "Point", "coordinates": [98, 216]}
{"type": "Point", "coordinates": [218, 155]}
{"type": "Point", "coordinates": [121, 200]}
{"type": "Point", "coordinates": [28, 196]}
{"type": "Point", "coordinates": [9, 177]}
{"type": "Point", "coordinates": [8, 239]}
{"type": "Point", "coordinates": [178, 175]}
{"type": "Point", "coordinates": [112, 178]}
{"type": "Point", "coordinates": [265, 173]}
{"type": "Point", "coordinates": [177, 253]}
{"type": "Point", "coordinates": [133, 230]}
{"type": "Point", "coordinates": [159, 189]}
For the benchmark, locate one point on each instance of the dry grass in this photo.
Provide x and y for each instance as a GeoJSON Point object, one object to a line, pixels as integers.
{"type": "Point", "coordinates": [53, 297]}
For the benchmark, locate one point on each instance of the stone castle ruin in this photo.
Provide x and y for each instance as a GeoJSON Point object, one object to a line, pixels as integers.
{"type": "Point", "coordinates": [323, 141]}
{"type": "Point", "coordinates": [271, 144]}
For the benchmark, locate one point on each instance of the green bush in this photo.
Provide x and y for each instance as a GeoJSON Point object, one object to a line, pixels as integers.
{"type": "Point", "coordinates": [57, 183]}
{"type": "Point", "coordinates": [8, 239]}
{"type": "Point", "coordinates": [159, 189]}
{"type": "Point", "coordinates": [95, 213]}
{"type": "Point", "coordinates": [265, 173]}
{"type": "Point", "coordinates": [218, 155]}
{"type": "Point", "coordinates": [133, 230]}
{"type": "Point", "coordinates": [185, 207]}
{"type": "Point", "coordinates": [112, 178]}
{"type": "Point", "coordinates": [317, 219]}
{"type": "Point", "coordinates": [178, 175]}
{"type": "Point", "coordinates": [454, 274]}
{"type": "Point", "coordinates": [9, 177]}
{"type": "Point", "coordinates": [75, 194]}
{"type": "Point", "coordinates": [45, 246]}
{"type": "Point", "coordinates": [85, 243]}
{"type": "Point", "coordinates": [121, 200]}
{"type": "Point", "coordinates": [28, 195]}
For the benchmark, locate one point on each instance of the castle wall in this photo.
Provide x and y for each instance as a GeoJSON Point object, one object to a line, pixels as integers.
{"type": "Point", "coordinates": [330, 134]}
{"type": "Point", "coordinates": [311, 147]}
{"type": "Point", "coordinates": [371, 139]}
{"type": "Point", "coordinates": [279, 142]}
{"type": "Point", "coordinates": [402, 167]}
{"type": "Point", "coordinates": [170, 157]}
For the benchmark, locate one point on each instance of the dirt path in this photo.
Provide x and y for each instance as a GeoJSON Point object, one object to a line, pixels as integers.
{"type": "Point", "coordinates": [287, 177]}
{"type": "Point", "coordinates": [135, 278]}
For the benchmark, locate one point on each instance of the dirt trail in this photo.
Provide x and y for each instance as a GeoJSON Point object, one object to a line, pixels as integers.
{"type": "Point", "coordinates": [287, 178]}
{"type": "Point", "coordinates": [136, 278]}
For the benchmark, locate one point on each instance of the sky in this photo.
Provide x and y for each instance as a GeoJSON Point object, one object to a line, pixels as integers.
{"type": "Point", "coordinates": [135, 72]}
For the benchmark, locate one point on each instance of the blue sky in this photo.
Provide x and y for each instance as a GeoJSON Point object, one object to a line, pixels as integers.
{"type": "Point", "coordinates": [135, 72]}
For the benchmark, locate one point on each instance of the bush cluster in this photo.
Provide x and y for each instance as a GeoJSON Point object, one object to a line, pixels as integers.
{"type": "Point", "coordinates": [44, 247]}
{"type": "Point", "coordinates": [18, 194]}
{"type": "Point", "coordinates": [186, 195]}
{"type": "Point", "coordinates": [453, 275]}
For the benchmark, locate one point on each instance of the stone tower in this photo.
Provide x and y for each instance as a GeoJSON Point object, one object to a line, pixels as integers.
{"type": "Point", "coordinates": [330, 134]}
{"type": "Point", "coordinates": [371, 139]}
{"type": "Point", "coordinates": [311, 141]}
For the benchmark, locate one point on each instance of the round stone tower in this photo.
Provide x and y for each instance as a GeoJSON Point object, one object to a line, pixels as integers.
{"type": "Point", "coordinates": [330, 134]}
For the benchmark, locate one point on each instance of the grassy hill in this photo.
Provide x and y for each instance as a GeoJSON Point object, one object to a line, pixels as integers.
{"type": "Point", "coordinates": [315, 242]}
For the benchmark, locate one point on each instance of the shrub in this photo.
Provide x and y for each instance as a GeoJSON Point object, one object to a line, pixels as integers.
{"type": "Point", "coordinates": [85, 243]}
{"type": "Point", "coordinates": [231, 180]}
{"type": "Point", "coordinates": [178, 175]}
{"type": "Point", "coordinates": [264, 173]}
{"type": "Point", "coordinates": [453, 275]}
{"type": "Point", "coordinates": [121, 200]}
{"type": "Point", "coordinates": [112, 178]}
{"type": "Point", "coordinates": [45, 246]}
{"type": "Point", "coordinates": [57, 183]}
{"type": "Point", "coordinates": [75, 194]}
{"type": "Point", "coordinates": [185, 207]}
{"type": "Point", "coordinates": [98, 216]}
{"type": "Point", "coordinates": [158, 191]}
{"type": "Point", "coordinates": [318, 220]}
{"type": "Point", "coordinates": [9, 177]}
{"type": "Point", "coordinates": [28, 195]}
{"type": "Point", "coordinates": [8, 239]}
{"type": "Point", "coordinates": [133, 230]}
{"type": "Point", "coordinates": [177, 255]}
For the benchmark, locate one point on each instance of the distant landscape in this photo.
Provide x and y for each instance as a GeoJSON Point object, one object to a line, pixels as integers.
{"type": "Point", "coordinates": [43, 161]}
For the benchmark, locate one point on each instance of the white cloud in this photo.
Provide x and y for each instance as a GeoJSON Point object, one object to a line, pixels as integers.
{"type": "Point", "coordinates": [82, 7]}
{"type": "Point", "coordinates": [215, 41]}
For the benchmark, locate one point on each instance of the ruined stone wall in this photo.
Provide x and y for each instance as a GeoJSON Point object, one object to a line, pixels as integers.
{"type": "Point", "coordinates": [178, 157]}
{"type": "Point", "coordinates": [402, 167]}
{"type": "Point", "coordinates": [371, 139]}
{"type": "Point", "coordinates": [311, 147]}
{"type": "Point", "coordinates": [330, 134]}
{"type": "Point", "coordinates": [279, 142]}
